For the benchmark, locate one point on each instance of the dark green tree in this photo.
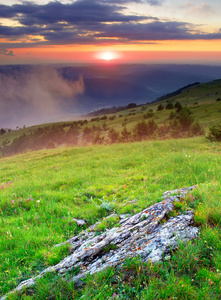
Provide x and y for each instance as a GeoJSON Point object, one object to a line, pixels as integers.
{"type": "Point", "coordinates": [113, 135]}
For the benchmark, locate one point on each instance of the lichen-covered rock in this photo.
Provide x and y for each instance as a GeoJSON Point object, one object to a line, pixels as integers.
{"type": "Point", "coordinates": [144, 234]}
{"type": "Point", "coordinates": [79, 222]}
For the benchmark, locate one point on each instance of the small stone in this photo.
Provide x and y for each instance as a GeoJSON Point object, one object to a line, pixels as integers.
{"type": "Point", "coordinates": [79, 222]}
{"type": "Point", "coordinates": [130, 202]}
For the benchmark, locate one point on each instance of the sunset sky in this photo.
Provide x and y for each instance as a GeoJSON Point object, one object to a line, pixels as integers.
{"type": "Point", "coordinates": [82, 31]}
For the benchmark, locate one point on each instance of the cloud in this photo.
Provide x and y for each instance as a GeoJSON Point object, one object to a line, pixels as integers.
{"type": "Point", "coordinates": [151, 2]}
{"type": "Point", "coordinates": [91, 22]}
{"type": "Point", "coordinates": [35, 95]}
{"type": "Point", "coordinates": [4, 51]}
{"type": "Point", "coordinates": [87, 11]}
{"type": "Point", "coordinates": [202, 9]}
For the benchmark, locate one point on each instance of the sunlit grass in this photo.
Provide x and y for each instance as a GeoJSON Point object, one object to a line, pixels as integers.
{"type": "Point", "coordinates": [43, 191]}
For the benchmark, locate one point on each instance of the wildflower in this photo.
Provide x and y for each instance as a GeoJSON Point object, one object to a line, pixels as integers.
{"type": "Point", "coordinates": [15, 211]}
{"type": "Point", "coordinates": [38, 201]}
{"type": "Point", "coordinates": [211, 282]}
{"type": "Point", "coordinates": [13, 201]}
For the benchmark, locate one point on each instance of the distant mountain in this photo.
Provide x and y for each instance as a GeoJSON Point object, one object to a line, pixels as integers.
{"type": "Point", "coordinates": [39, 94]}
{"type": "Point", "coordinates": [118, 85]}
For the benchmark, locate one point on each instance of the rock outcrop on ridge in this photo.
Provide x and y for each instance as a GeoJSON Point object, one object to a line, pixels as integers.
{"type": "Point", "coordinates": [147, 234]}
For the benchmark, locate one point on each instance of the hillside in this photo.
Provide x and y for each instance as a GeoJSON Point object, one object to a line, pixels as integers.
{"type": "Point", "coordinates": [41, 192]}
{"type": "Point", "coordinates": [201, 105]}
{"type": "Point", "coordinates": [33, 95]}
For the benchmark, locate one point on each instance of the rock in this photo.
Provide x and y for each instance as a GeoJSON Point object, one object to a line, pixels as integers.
{"type": "Point", "coordinates": [130, 202]}
{"type": "Point", "coordinates": [140, 235]}
{"type": "Point", "coordinates": [79, 222]}
{"type": "Point", "coordinates": [181, 193]}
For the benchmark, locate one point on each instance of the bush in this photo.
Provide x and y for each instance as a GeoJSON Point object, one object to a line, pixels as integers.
{"type": "Point", "coordinates": [178, 106]}
{"type": "Point", "coordinates": [160, 107]}
{"type": "Point", "coordinates": [196, 129]}
{"type": "Point", "coordinates": [131, 105]}
{"type": "Point", "coordinates": [113, 135]}
{"type": "Point", "coordinates": [215, 132]}
{"type": "Point", "coordinates": [169, 105]}
{"type": "Point", "coordinates": [148, 115]}
{"type": "Point", "coordinates": [143, 130]}
{"type": "Point", "coordinates": [185, 118]}
{"type": "Point", "coordinates": [125, 135]}
{"type": "Point", "coordinates": [172, 115]}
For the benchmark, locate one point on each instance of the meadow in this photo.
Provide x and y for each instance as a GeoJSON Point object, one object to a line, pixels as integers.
{"type": "Point", "coordinates": [41, 192]}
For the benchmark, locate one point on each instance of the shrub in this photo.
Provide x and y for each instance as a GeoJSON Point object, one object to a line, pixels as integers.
{"type": "Point", "coordinates": [103, 118]}
{"type": "Point", "coordinates": [196, 129]}
{"type": "Point", "coordinates": [169, 105]}
{"type": "Point", "coordinates": [104, 126]}
{"type": "Point", "coordinates": [125, 135]}
{"type": "Point", "coordinates": [163, 131]}
{"type": "Point", "coordinates": [215, 132]}
{"type": "Point", "coordinates": [98, 139]}
{"type": "Point", "coordinates": [160, 107]}
{"type": "Point", "coordinates": [185, 118]}
{"type": "Point", "coordinates": [113, 135]}
{"type": "Point", "coordinates": [178, 106]}
{"type": "Point", "coordinates": [140, 130]}
{"type": "Point", "coordinates": [172, 115]}
{"type": "Point", "coordinates": [131, 105]}
{"type": "Point", "coordinates": [112, 118]}
{"type": "Point", "coordinates": [143, 130]}
{"type": "Point", "coordinates": [148, 115]}
{"type": "Point", "coordinates": [50, 144]}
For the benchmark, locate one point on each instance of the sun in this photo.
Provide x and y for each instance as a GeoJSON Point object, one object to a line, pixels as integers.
{"type": "Point", "coordinates": [107, 55]}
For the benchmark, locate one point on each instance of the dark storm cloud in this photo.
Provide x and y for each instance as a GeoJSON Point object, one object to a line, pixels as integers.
{"type": "Point", "coordinates": [86, 21]}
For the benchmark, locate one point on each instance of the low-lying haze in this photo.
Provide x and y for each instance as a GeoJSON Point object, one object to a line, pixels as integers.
{"type": "Point", "coordinates": [34, 95]}
{"type": "Point", "coordinates": [40, 94]}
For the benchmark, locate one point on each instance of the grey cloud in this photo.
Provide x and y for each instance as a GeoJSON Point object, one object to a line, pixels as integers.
{"type": "Point", "coordinates": [87, 21]}
{"type": "Point", "coordinates": [80, 11]}
{"type": "Point", "coordinates": [151, 2]}
{"type": "Point", "coordinates": [155, 30]}
{"type": "Point", "coordinates": [4, 51]}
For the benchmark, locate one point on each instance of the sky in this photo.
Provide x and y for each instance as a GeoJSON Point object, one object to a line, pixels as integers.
{"type": "Point", "coordinates": [90, 31]}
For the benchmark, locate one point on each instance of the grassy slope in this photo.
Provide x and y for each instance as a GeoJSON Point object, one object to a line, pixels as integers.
{"type": "Point", "coordinates": [201, 100]}
{"type": "Point", "coordinates": [57, 185]}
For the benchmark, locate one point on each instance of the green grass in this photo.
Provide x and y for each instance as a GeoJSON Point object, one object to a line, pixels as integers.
{"type": "Point", "coordinates": [58, 185]}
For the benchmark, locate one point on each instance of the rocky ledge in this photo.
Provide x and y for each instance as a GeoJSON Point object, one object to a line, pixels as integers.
{"type": "Point", "coordinates": [148, 234]}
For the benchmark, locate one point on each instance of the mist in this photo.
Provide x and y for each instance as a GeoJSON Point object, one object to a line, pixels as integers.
{"type": "Point", "coordinates": [37, 95]}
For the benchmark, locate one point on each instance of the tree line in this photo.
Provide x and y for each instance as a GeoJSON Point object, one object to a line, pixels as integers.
{"type": "Point", "coordinates": [180, 124]}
